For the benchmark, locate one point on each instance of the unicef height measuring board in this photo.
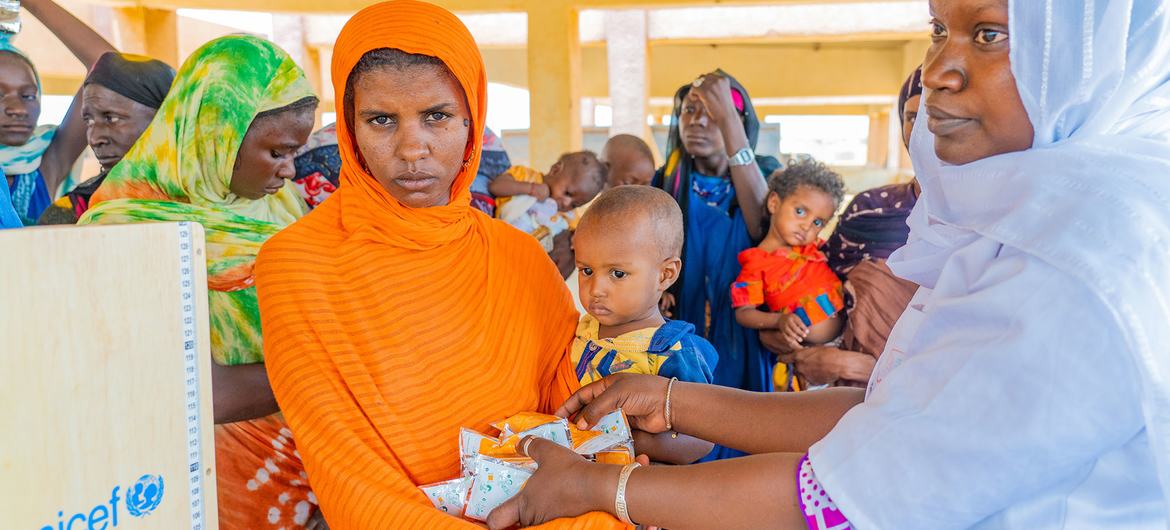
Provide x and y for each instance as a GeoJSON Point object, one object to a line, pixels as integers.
{"type": "Point", "coordinates": [105, 406]}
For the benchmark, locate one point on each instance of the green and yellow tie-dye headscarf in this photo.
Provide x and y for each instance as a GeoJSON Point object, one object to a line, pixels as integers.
{"type": "Point", "coordinates": [181, 169]}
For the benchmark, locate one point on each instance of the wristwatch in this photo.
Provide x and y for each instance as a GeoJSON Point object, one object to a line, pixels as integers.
{"type": "Point", "coordinates": [743, 157]}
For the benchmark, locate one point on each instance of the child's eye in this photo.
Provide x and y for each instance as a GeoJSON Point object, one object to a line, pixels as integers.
{"type": "Point", "coordinates": [586, 271]}
{"type": "Point", "coordinates": [800, 211]}
{"type": "Point", "coordinates": [618, 274]}
{"type": "Point", "coordinates": [818, 223]}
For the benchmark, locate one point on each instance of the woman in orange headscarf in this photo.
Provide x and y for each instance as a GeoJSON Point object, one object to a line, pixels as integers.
{"type": "Point", "coordinates": [395, 313]}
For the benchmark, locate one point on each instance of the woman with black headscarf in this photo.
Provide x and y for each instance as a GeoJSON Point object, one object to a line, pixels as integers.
{"type": "Point", "coordinates": [712, 171]}
{"type": "Point", "coordinates": [118, 101]}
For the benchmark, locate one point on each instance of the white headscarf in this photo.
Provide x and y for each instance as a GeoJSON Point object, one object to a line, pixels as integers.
{"type": "Point", "coordinates": [1092, 196]}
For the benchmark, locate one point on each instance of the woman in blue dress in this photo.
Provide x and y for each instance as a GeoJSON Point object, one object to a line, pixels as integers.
{"type": "Point", "coordinates": [720, 184]}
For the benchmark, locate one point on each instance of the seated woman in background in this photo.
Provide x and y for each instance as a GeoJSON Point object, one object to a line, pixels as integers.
{"type": "Point", "coordinates": [220, 153]}
{"type": "Point", "coordinates": [119, 98]}
{"type": "Point", "coordinates": [36, 160]}
{"type": "Point", "coordinates": [872, 227]}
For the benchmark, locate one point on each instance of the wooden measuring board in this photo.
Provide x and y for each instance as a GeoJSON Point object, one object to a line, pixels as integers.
{"type": "Point", "coordinates": [105, 405]}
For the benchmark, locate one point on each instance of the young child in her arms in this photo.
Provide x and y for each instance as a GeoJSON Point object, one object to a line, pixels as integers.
{"type": "Point", "coordinates": [627, 248]}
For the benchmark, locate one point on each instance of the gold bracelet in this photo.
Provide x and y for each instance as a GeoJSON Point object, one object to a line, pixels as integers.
{"type": "Point", "coordinates": [619, 504]}
{"type": "Point", "coordinates": [669, 387]}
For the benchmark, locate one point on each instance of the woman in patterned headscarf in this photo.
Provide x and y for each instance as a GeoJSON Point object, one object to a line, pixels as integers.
{"type": "Point", "coordinates": [220, 152]}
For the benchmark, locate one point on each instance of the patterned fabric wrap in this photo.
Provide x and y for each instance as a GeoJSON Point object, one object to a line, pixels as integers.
{"type": "Point", "coordinates": [493, 162]}
{"type": "Point", "coordinates": [796, 280]}
{"type": "Point", "coordinates": [318, 166]}
{"type": "Point", "coordinates": [872, 227]}
{"type": "Point", "coordinates": [669, 350]}
{"type": "Point", "coordinates": [818, 509]}
{"type": "Point", "coordinates": [181, 169]}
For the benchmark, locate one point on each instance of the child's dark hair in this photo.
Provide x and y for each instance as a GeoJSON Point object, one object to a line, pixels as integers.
{"type": "Point", "coordinates": [805, 172]}
{"type": "Point", "coordinates": [598, 171]}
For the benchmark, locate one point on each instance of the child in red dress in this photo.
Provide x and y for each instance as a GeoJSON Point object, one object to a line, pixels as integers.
{"type": "Point", "coordinates": [785, 283]}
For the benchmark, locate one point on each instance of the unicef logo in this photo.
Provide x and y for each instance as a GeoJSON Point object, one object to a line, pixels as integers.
{"type": "Point", "coordinates": [145, 495]}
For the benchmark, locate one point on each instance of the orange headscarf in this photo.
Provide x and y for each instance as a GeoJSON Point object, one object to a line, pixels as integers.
{"type": "Point", "coordinates": [387, 328]}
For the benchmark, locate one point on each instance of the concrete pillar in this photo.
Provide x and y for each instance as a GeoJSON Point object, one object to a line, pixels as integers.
{"type": "Point", "coordinates": [894, 147]}
{"type": "Point", "coordinates": [627, 57]}
{"type": "Point", "coordinates": [878, 147]}
{"type": "Point", "coordinates": [554, 81]}
{"type": "Point", "coordinates": [162, 35]}
{"type": "Point", "coordinates": [325, 72]}
{"type": "Point", "coordinates": [290, 33]}
{"type": "Point", "coordinates": [147, 31]}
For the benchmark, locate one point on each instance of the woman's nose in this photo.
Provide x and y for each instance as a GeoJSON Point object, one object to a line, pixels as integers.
{"type": "Point", "coordinates": [286, 170]}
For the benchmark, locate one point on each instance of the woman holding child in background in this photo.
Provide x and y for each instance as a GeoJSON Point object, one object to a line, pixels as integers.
{"type": "Point", "coordinates": [718, 181]}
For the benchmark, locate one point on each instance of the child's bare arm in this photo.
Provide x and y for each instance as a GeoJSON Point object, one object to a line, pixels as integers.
{"type": "Point", "coordinates": [506, 186]}
{"type": "Point", "coordinates": [790, 325]}
{"type": "Point", "coordinates": [663, 448]}
{"type": "Point", "coordinates": [752, 318]}
{"type": "Point", "coordinates": [824, 331]}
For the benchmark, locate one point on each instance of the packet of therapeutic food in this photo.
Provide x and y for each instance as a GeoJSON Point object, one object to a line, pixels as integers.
{"type": "Point", "coordinates": [449, 496]}
{"type": "Point", "coordinates": [619, 455]}
{"type": "Point", "coordinates": [522, 422]}
{"type": "Point", "coordinates": [556, 431]}
{"type": "Point", "coordinates": [493, 483]}
{"type": "Point", "coordinates": [580, 437]}
{"type": "Point", "coordinates": [601, 443]}
{"type": "Point", "coordinates": [615, 423]}
{"type": "Point", "coordinates": [472, 443]}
